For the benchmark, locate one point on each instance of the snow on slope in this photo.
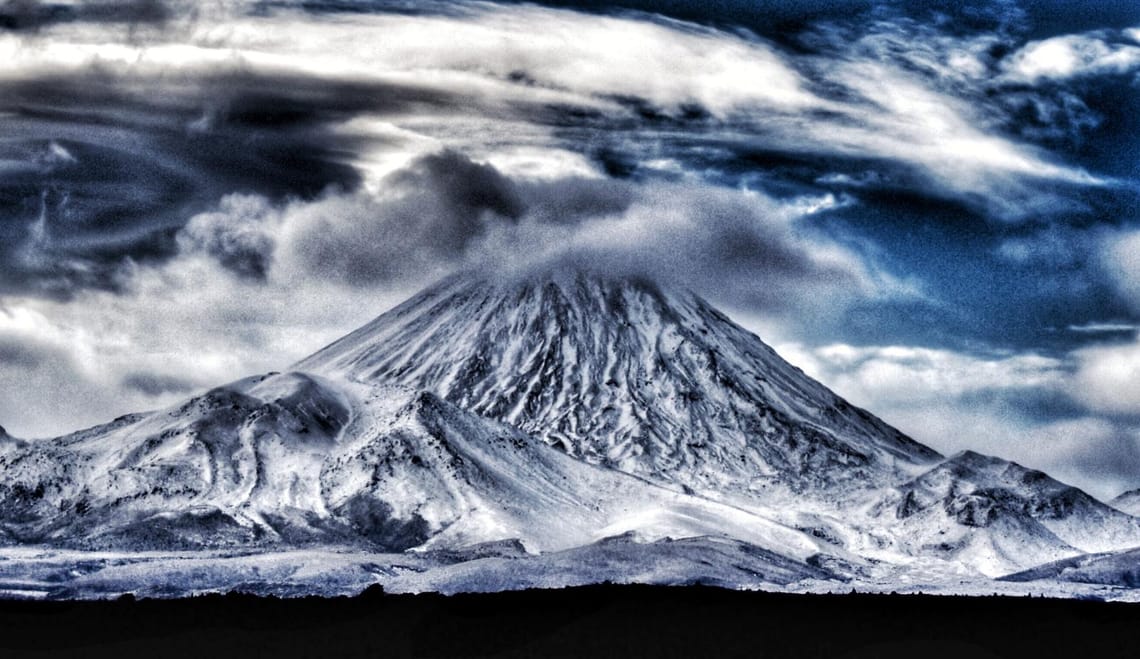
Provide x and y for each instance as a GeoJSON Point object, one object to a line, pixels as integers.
{"type": "Point", "coordinates": [1128, 502]}
{"type": "Point", "coordinates": [63, 574]}
{"type": "Point", "coordinates": [661, 385]}
{"type": "Point", "coordinates": [298, 460]}
{"type": "Point", "coordinates": [174, 477]}
{"type": "Point", "coordinates": [1111, 569]}
{"type": "Point", "coordinates": [623, 374]}
{"type": "Point", "coordinates": [706, 560]}
{"type": "Point", "coordinates": [1000, 516]}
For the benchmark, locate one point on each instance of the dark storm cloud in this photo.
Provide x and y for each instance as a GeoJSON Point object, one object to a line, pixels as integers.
{"type": "Point", "coordinates": [426, 218]}
{"type": "Point", "coordinates": [100, 168]}
{"type": "Point", "coordinates": [30, 15]}
{"type": "Point", "coordinates": [444, 211]}
{"type": "Point", "coordinates": [463, 187]}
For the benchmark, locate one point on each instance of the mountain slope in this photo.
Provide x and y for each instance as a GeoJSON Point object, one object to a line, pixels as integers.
{"type": "Point", "coordinates": [1128, 502]}
{"type": "Point", "coordinates": [623, 374]}
{"type": "Point", "coordinates": [294, 459]}
{"type": "Point", "coordinates": [1120, 569]}
{"type": "Point", "coordinates": [1000, 516]}
{"type": "Point", "coordinates": [659, 384]}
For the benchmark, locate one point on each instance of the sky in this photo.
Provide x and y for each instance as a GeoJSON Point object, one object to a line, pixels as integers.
{"type": "Point", "coordinates": [932, 207]}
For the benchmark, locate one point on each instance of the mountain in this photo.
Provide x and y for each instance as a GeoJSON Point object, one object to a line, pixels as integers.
{"type": "Point", "coordinates": [1001, 517]}
{"type": "Point", "coordinates": [295, 460]}
{"type": "Point", "coordinates": [623, 374]}
{"type": "Point", "coordinates": [1119, 569]}
{"type": "Point", "coordinates": [656, 383]}
{"type": "Point", "coordinates": [1128, 502]}
{"type": "Point", "coordinates": [577, 427]}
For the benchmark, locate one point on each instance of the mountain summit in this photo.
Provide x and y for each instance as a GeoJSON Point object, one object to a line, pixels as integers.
{"type": "Point", "coordinates": [621, 373]}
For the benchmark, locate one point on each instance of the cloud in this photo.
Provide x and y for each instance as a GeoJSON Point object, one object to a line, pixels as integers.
{"type": "Point", "coordinates": [1121, 260]}
{"type": "Point", "coordinates": [256, 284]}
{"type": "Point", "coordinates": [904, 372]}
{"type": "Point", "coordinates": [1106, 379]}
{"type": "Point", "coordinates": [421, 222]}
{"type": "Point", "coordinates": [182, 326]}
{"type": "Point", "coordinates": [1053, 247]}
{"type": "Point", "coordinates": [1043, 412]}
{"type": "Point", "coordinates": [157, 384]}
{"type": "Point", "coordinates": [668, 64]}
{"type": "Point", "coordinates": [1100, 456]}
{"type": "Point", "coordinates": [917, 95]}
{"type": "Point", "coordinates": [107, 171]}
{"type": "Point", "coordinates": [20, 352]}
{"type": "Point", "coordinates": [444, 211]}
{"type": "Point", "coordinates": [240, 295]}
{"type": "Point", "coordinates": [58, 373]}
{"type": "Point", "coordinates": [738, 248]}
{"type": "Point", "coordinates": [1105, 328]}
{"type": "Point", "coordinates": [31, 15]}
{"type": "Point", "coordinates": [1074, 55]}
{"type": "Point", "coordinates": [291, 108]}
{"type": "Point", "coordinates": [236, 235]}
{"type": "Point", "coordinates": [899, 94]}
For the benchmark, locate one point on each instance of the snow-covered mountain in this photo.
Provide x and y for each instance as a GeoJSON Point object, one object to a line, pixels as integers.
{"type": "Point", "coordinates": [626, 375]}
{"type": "Point", "coordinates": [660, 384]}
{"type": "Point", "coordinates": [1128, 502]}
{"type": "Point", "coordinates": [551, 412]}
{"type": "Point", "coordinates": [1000, 516]}
{"type": "Point", "coordinates": [1119, 569]}
{"type": "Point", "coordinates": [291, 459]}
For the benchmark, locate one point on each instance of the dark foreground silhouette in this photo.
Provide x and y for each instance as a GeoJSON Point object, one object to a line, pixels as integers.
{"type": "Point", "coordinates": [604, 620]}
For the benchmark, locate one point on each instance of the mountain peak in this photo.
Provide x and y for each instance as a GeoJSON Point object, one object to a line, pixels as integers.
{"type": "Point", "coordinates": [1128, 502]}
{"type": "Point", "coordinates": [623, 372]}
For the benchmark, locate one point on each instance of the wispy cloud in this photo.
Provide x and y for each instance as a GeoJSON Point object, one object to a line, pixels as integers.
{"type": "Point", "coordinates": [1074, 55]}
{"type": "Point", "coordinates": [1104, 328]}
